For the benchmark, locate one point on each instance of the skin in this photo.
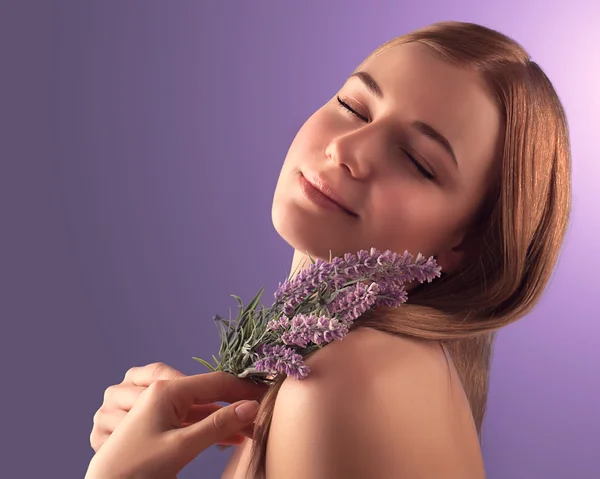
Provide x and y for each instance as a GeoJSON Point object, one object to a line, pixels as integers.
{"type": "Point", "coordinates": [410, 419]}
{"type": "Point", "coordinates": [120, 398]}
{"type": "Point", "coordinates": [153, 441]}
{"type": "Point", "coordinates": [376, 406]}
{"type": "Point", "coordinates": [397, 208]}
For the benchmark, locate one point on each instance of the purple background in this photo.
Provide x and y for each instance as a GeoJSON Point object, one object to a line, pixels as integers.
{"type": "Point", "coordinates": [141, 144]}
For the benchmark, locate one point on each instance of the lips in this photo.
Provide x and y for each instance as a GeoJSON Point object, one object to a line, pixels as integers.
{"type": "Point", "coordinates": [319, 183]}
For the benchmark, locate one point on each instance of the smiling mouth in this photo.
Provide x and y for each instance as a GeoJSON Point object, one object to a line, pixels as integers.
{"type": "Point", "coordinates": [318, 197]}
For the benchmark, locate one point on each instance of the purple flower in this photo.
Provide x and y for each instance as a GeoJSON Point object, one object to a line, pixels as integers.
{"type": "Point", "coordinates": [391, 294]}
{"type": "Point", "coordinates": [320, 303]}
{"type": "Point", "coordinates": [365, 265]}
{"type": "Point", "coordinates": [316, 307]}
{"type": "Point", "coordinates": [303, 329]}
{"type": "Point", "coordinates": [354, 301]}
{"type": "Point", "coordinates": [280, 359]}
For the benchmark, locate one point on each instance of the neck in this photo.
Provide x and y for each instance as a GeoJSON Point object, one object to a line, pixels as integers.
{"type": "Point", "coordinates": [299, 262]}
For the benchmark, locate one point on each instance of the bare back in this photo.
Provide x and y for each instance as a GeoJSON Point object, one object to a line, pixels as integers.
{"type": "Point", "coordinates": [464, 450]}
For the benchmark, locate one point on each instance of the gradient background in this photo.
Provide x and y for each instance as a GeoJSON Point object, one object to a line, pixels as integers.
{"type": "Point", "coordinates": [141, 143]}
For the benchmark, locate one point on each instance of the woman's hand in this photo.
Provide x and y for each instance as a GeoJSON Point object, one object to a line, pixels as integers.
{"type": "Point", "coordinates": [120, 398]}
{"type": "Point", "coordinates": [152, 440]}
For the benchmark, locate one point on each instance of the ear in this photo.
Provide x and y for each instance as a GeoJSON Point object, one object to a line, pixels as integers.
{"type": "Point", "coordinates": [450, 259]}
{"type": "Point", "coordinates": [453, 256]}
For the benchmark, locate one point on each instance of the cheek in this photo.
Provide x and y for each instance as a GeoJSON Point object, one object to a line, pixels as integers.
{"type": "Point", "coordinates": [304, 149]}
{"type": "Point", "coordinates": [412, 217]}
{"type": "Point", "coordinates": [314, 134]}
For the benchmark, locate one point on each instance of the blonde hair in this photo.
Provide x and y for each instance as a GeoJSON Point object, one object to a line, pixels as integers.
{"type": "Point", "coordinates": [518, 230]}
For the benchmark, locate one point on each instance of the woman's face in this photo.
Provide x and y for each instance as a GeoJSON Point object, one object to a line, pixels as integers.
{"type": "Point", "coordinates": [409, 153]}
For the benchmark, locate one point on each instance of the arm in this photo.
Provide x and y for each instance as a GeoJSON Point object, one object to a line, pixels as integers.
{"type": "Point", "coordinates": [346, 420]}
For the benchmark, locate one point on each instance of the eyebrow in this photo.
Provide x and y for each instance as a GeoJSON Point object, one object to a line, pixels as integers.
{"type": "Point", "coordinates": [421, 127]}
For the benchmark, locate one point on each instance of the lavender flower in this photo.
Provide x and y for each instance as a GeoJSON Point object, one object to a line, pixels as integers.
{"type": "Point", "coordinates": [279, 359]}
{"type": "Point", "coordinates": [391, 294]}
{"type": "Point", "coordinates": [303, 329]}
{"type": "Point", "coordinates": [354, 301]}
{"type": "Point", "coordinates": [372, 265]}
{"type": "Point", "coordinates": [314, 308]}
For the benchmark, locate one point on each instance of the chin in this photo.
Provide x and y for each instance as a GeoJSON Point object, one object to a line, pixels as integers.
{"type": "Point", "coordinates": [303, 232]}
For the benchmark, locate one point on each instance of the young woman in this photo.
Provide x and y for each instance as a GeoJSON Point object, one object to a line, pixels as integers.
{"type": "Point", "coordinates": [449, 142]}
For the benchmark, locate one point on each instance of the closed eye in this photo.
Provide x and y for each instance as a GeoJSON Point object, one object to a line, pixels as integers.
{"type": "Point", "coordinates": [348, 108]}
{"type": "Point", "coordinates": [422, 170]}
{"type": "Point", "coordinates": [418, 165]}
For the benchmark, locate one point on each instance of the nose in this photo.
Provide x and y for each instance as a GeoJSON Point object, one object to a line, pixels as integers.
{"type": "Point", "coordinates": [358, 151]}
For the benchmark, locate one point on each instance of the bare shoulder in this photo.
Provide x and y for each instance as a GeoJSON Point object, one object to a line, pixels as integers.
{"type": "Point", "coordinates": [374, 405]}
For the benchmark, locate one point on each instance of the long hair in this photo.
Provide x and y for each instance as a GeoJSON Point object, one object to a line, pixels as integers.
{"type": "Point", "coordinates": [518, 230]}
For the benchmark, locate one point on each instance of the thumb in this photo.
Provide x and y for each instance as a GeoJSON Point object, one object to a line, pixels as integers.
{"type": "Point", "coordinates": [218, 426]}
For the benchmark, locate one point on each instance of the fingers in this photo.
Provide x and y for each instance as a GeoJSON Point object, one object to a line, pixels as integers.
{"type": "Point", "coordinates": [205, 388]}
{"type": "Point", "coordinates": [118, 400]}
{"type": "Point", "coordinates": [217, 427]}
{"type": "Point", "coordinates": [146, 375]}
{"type": "Point", "coordinates": [217, 386]}
{"type": "Point", "coordinates": [97, 440]}
{"type": "Point", "coordinates": [122, 396]}
{"type": "Point", "coordinates": [198, 413]}
{"type": "Point", "coordinates": [105, 422]}
{"type": "Point", "coordinates": [248, 431]}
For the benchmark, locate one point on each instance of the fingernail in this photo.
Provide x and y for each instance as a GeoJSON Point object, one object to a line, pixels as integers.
{"type": "Point", "coordinates": [247, 411]}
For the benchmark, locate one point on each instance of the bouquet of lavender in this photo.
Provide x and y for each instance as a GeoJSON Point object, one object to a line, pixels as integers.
{"type": "Point", "coordinates": [312, 309]}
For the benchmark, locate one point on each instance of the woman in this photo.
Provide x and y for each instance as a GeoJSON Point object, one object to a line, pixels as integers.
{"type": "Point", "coordinates": [451, 142]}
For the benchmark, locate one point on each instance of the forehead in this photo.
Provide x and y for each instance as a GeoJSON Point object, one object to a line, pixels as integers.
{"type": "Point", "coordinates": [418, 85]}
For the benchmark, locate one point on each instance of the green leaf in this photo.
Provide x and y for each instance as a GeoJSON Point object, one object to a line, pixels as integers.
{"type": "Point", "coordinates": [256, 324]}
{"type": "Point", "coordinates": [241, 338]}
{"type": "Point", "coordinates": [224, 329]}
{"type": "Point", "coordinates": [296, 269]}
{"type": "Point", "coordinates": [252, 305]}
{"type": "Point", "coordinates": [249, 311]}
{"type": "Point", "coordinates": [238, 299]}
{"type": "Point", "coordinates": [216, 360]}
{"type": "Point", "coordinates": [205, 363]}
